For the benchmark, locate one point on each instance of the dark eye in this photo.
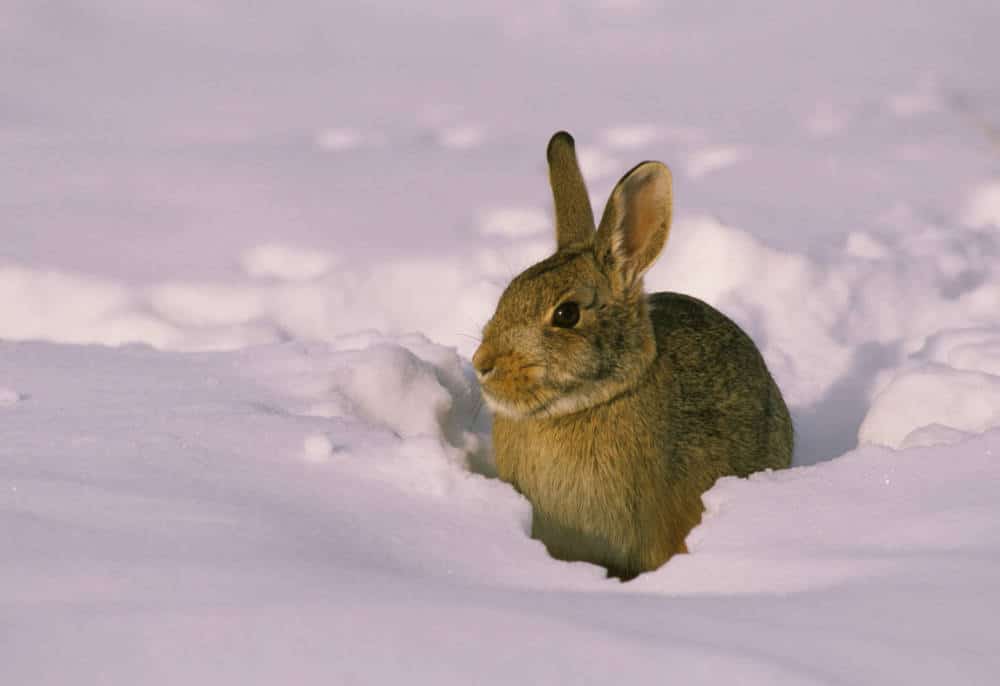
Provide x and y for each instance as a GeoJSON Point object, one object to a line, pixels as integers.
{"type": "Point", "coordinates": [566, 315]}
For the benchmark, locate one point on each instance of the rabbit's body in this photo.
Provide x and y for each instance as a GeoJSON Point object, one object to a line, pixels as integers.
{"type": "Point", "coordinates": [626, 498]}
{"type": "Point", "coordinates": [616, 410]}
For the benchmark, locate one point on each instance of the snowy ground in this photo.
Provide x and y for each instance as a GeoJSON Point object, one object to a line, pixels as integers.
{"type": "Point", "coordinates": [283, 230]}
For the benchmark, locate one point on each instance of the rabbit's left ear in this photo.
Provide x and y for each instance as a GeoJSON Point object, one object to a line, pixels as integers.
{"type": "Point", "coordinates": [636, 222]}
{"type": "Point", "coordinates": [574, 218]}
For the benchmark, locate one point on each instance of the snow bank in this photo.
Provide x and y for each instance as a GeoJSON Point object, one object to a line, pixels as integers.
{"type": "Point", "coordinates": [243, 517]}
{"type": "Point", "coordinates": [945, 391]}
{"type": "Point", "coordinates": [900, 505]}
{"type": "Point", "coordinates": [830, 326]}
{"type": "Point", "coordinates": [417, 401]}
{"type": "Point", "coordinates": [891, 288]}
{"type": "Point", "coordinates": [50, 305]}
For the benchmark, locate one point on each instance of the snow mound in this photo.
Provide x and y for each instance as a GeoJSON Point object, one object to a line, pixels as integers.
{"type": "Point", "coordinates": [833, 327]}
{"type": "Point", "coordinates": [417, 404]}
{"type": "Point", "coordinates": [207, 305]}
{"type": "Point", "coordinates": [44, 304]}
{"type": "Point", "coordinates": [751, 542]}
{"type": "Point", "coordinates": [946, 391]}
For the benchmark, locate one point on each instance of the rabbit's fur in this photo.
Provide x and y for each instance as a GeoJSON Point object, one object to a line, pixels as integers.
{"type": "Point", "coordinates": [614, 426]}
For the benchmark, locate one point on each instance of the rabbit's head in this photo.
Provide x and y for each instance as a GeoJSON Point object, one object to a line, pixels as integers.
{"type": "Point", "coordinates": [574, 330]}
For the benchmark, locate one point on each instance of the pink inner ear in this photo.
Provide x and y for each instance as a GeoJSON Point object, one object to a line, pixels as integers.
{"type": "Point", "coordinates": [640, 217]}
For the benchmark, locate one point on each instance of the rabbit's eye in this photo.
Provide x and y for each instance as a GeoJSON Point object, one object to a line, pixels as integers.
{"type": "Point", "coordinates": [566, 315]}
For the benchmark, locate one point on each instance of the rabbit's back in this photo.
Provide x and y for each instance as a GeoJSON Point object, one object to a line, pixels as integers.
{"type": "Point", "coordinates": [726, 415]}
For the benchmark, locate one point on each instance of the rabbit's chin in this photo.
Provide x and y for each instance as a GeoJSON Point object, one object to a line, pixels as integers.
{"type": "Point", "coordinates": [549, 406]}
{"type": "Point", "coordinates": [546, 403]}
{"type": "Point", "coordinates": [510, 409]}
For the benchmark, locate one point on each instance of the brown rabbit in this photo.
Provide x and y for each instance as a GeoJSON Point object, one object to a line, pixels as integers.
{"type": "Point", "coordinates": [615, 410]}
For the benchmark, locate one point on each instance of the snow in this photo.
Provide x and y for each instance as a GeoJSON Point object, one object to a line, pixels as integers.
{"type": "Point", "coordinates": [247, 254]}
{"type": "Point", "coordinates": [514, 222]}
{"type": "Point", "coordinates": [8, 397]}
{"type": "Point", "coordinates": [631, 136]}
{"type": "Point", "coordinates": [178, 516]}
{"type": "Point", "coordinates": [714, 158]}
{"type": "Point", "coordinates": [944, 392]}
{"type": "Point", "coordinates": [286, 262]}
{"type": "Point", "coordinates": [983, 209]}
{"type": "Point", "coordinates": [462, 136]}
{"type": "Point", "coordinates": [340, 139]}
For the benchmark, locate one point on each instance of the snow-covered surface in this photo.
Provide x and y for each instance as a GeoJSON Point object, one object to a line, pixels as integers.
{"type": "Point", "coordinates": [263, 517]}
{"type": "Point", "coordinates": [284, 229]}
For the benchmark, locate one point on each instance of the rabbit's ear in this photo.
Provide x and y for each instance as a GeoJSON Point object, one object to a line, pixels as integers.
{"type": "Point", "coordinates": [574, 218]}
{"type": "Point", "coordinates": [636, 222]}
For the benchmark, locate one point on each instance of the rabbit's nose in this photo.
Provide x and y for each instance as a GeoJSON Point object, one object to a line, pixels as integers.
{"type": "Point", "coordinates": [484, 360]}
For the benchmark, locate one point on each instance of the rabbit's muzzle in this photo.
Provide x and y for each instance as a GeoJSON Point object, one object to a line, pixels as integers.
{"type": "Point", "coordinates": [510, 382]}
{"type": "Point", "coordinates": [484, 361]}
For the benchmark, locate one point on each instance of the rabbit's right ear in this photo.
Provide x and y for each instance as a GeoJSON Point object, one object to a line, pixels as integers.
{"type": "Point", "coordinates": [635, 224]}
{"type": "Point", "coordinates": [574, 217]}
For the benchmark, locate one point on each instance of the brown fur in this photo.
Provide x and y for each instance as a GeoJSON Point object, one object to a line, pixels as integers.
{"type": "Point", "coordinates": [615, 427]}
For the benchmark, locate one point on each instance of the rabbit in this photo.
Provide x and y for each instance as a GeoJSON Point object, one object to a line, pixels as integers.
{"type": "Point", "coordinates": [615, 410]}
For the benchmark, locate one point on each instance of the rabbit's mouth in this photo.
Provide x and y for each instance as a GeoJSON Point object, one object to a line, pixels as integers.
{"type": "Point", "coordinates": [512, 384]}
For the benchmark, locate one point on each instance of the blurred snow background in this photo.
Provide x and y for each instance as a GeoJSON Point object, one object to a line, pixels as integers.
{"type": "Point", "coordinates": [290, 223]}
